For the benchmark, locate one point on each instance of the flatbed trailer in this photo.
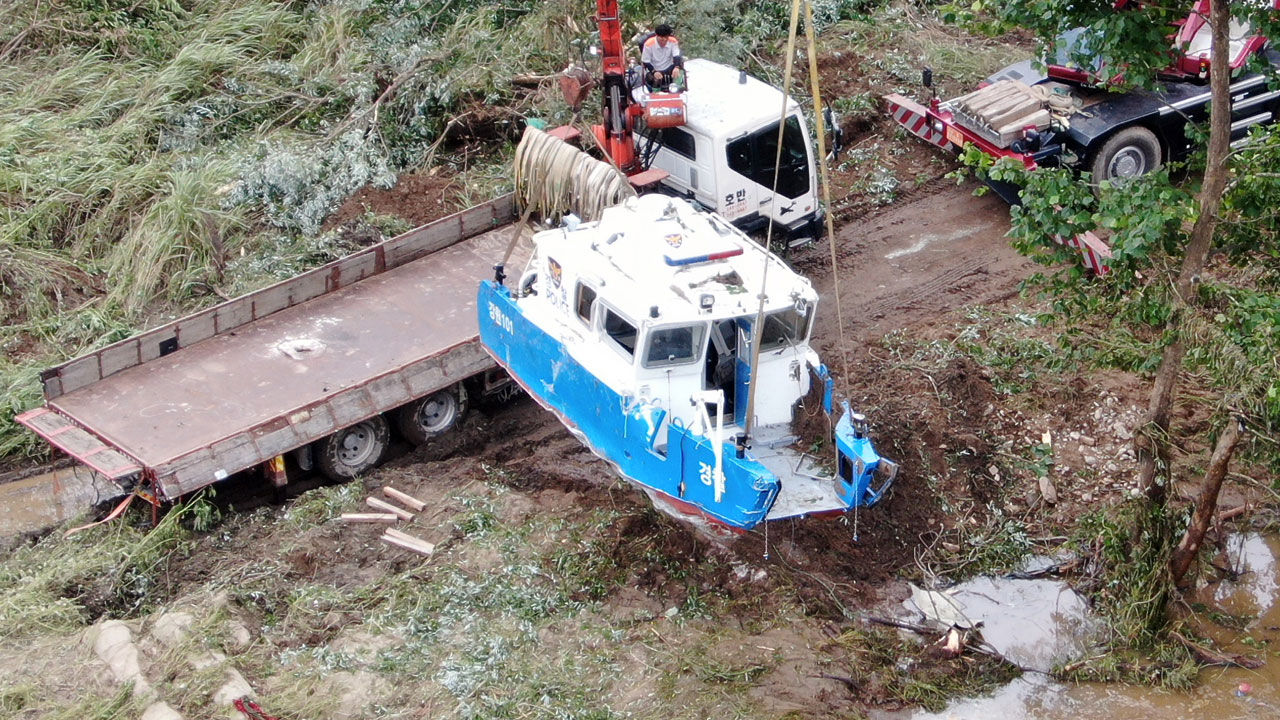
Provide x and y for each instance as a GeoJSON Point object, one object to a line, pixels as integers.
{"type": "Point", "coordinates": [308, 364]}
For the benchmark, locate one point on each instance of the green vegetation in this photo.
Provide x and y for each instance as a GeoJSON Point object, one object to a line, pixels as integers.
{"type": "Point", "coordinates": [881, 661]}
{"type": "Point", "coordinates": [58, 584]}
{"type": "Point", "coordinates": [525, 628]}
{"type": "Point", "coordinates": [1191, 292]}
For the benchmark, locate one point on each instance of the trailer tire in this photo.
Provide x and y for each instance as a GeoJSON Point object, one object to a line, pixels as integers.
{"type": "Point", "coordinates": [1128, 154]}
{"type": "Point", "coordinates": [433, 415]}
{"type": "Point", "coordinates": [353, 451]}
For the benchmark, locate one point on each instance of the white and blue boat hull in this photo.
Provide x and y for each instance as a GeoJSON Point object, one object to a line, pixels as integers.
{"type": "Point", "coordinates": [625, 431]}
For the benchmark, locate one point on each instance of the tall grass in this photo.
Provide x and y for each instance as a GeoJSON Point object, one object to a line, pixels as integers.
{"type": "Point", "coordinates": [60, 585]}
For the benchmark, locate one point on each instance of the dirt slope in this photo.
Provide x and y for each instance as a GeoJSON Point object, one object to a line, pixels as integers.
{"type": "Point", "coordinates": [935, 253]}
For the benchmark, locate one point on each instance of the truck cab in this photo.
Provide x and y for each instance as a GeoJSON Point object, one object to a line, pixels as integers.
{"type": "Point", "coordinates": [723, 156]}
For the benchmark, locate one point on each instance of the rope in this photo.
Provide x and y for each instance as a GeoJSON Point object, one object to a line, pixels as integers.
{"type": "Point", "coordinates": [758, 326]}
{"type": "Point", "coordinates": [553, 178]}
{"type": "Point", "coordinates": [824, 179]}
{"type": "Point", "coordinates": [251, 710]}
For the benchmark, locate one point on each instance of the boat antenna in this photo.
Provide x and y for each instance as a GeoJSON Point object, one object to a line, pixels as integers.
{"type": "Point", "coordinates": [757, 325]}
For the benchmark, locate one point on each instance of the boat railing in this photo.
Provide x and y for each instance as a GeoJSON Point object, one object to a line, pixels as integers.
{"type": "Point", "coordinates": [711, 425]}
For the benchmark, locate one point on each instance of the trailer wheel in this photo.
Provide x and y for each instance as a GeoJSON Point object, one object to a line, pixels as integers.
{"type": "Point", "coordinates": [433, 415]}
{"type": "Point", "coordinates": [354, 450]}
{"type": "Point", "coordinates": [1128, 154]}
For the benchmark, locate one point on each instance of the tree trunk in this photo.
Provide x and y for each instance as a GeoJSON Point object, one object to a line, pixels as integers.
{"type": "Point", "coordinates": [1187, 550]}
{"type": "Point", "coordinates": [1150, 444]}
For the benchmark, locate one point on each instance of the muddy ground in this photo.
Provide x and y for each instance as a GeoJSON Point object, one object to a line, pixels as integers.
{"type": "Point", "coordinates": [771, 624]}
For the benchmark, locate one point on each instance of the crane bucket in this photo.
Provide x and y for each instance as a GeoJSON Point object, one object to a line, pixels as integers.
{"type": "Point", "coordinates": [575, 84]}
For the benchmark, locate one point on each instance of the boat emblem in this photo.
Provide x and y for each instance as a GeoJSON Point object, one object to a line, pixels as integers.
{"type": "Point", "coordinates": [675, 240]}
{"type": "Point", "coordinates": [556, 271]}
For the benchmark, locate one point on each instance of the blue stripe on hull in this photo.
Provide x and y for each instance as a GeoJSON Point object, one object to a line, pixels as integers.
{"type": "Point", "coordinates": [620, 429]}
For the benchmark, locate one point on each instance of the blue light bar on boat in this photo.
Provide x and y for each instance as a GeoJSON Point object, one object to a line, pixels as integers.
{"type": "Point", "coordinates": [702, 258]}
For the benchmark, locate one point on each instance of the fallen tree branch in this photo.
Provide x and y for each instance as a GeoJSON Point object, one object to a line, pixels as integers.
{"type": "Point", "coordinates": [532, 80]}
{"type": "Point", "coordinates": [1211, 658]}
{"type": "Point", "coordinates": [847, 681]}
{"type": "Point", "coordinates": [980, 646]}
{"type": "Point", "coordinates": [386, 95]}
{"type": "Point", "coordinates": [903, 624]}
{"type": "Point", "coordinates": [1206, 504]}
{"type": "Point", "coordinates": [1233, 513]}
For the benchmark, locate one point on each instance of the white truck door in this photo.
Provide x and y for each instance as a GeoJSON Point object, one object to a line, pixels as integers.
{"type": "Point", "coordinates": [687, 159]}
{"type": "Point", "coordinates": [736, 193]}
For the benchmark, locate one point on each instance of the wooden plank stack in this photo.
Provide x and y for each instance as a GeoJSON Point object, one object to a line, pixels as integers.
{"type": "Point", "coordinates": [390, 514]}
{"type": "Point", "coordinates": [1001, 111]}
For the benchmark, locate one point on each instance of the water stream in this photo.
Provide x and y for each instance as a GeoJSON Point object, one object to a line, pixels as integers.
{"type": "Point", "coordinates": [1032, 621]}
{"type": "Point", "coordinates": [36, 503]}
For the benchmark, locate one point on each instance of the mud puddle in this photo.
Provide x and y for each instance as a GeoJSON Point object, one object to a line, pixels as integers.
{"type": "Point", "coordinates": [37, 502]}
{"type": "Point", "coordinates": [1255, 594]}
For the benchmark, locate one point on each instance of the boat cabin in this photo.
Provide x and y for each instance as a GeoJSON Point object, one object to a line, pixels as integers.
{"type": "Point", "coordinates": [658, 300]}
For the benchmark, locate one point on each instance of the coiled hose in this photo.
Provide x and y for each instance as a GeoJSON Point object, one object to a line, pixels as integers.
{"type": "Point", "coordinates": [555, 178]}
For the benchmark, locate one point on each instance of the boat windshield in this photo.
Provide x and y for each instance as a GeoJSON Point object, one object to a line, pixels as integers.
{"type": "Point", "coordinates": [783, 328]}
{"type": "Point", "coordinates": [677, 345]}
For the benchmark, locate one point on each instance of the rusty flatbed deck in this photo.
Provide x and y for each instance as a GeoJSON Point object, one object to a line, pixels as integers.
{"type": "Point", "coordinates": [272, 383]}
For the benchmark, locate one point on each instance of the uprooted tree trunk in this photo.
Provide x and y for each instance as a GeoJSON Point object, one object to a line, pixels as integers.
{"type": "Point", "coordinates": [1150, 442]}
{"type": "Point", "coordinates": [1207, 503]}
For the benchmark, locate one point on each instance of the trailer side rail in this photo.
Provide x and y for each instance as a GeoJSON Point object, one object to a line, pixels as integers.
{"type": "Point", "coordinates": [226, 317]}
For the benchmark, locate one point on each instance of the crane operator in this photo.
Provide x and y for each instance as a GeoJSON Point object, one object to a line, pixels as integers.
{"type": "Point", "coordinates": [661, 58]}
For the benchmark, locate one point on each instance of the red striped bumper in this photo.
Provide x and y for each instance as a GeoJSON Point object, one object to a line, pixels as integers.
{"type": "Point", "coordinates": [1094, 253]}
{"type": "Point", "coordinates": [915, 118]}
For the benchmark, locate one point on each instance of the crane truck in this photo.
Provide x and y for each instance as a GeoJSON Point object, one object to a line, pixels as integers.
{"type": "Point", "coordinates": [714, 143]}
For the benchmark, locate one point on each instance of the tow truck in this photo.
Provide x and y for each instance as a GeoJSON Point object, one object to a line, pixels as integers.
{"type": "Point", "coordinates": [1061, 115]}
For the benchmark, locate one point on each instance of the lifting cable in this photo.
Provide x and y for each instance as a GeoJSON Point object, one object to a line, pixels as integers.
{"type": "Point", "coordinates": [824, 178]}
{"type": "Point", "coordinates": [757, 326]}
{"type": "Point", "coordinates": [825, 183]}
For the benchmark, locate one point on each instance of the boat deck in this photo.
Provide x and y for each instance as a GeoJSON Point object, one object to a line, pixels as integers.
{"type": "Point", "coordinates": [807, 487]}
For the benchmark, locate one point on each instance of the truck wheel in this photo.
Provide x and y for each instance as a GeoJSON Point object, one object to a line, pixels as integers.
{"type": "Point", "coordinates": [353, 451]}
{"type": "Point", "coordinates": [433, 415]}
{"type": "Point", "coordinates": [1128, 154]}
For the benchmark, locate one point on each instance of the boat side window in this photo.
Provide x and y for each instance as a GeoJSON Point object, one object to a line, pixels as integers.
{"type": "Point", "coordinates": [783, 328]}
{"type": "Point", "coordinates": [620, 330]}
{"type": "Point", "coordinates": [679, 345]}
{"type": "Point", "coordinates": [586, 298]}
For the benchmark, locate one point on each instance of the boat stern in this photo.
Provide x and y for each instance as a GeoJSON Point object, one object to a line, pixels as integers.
{"type": "Point", "coordinates": [864, 476]}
